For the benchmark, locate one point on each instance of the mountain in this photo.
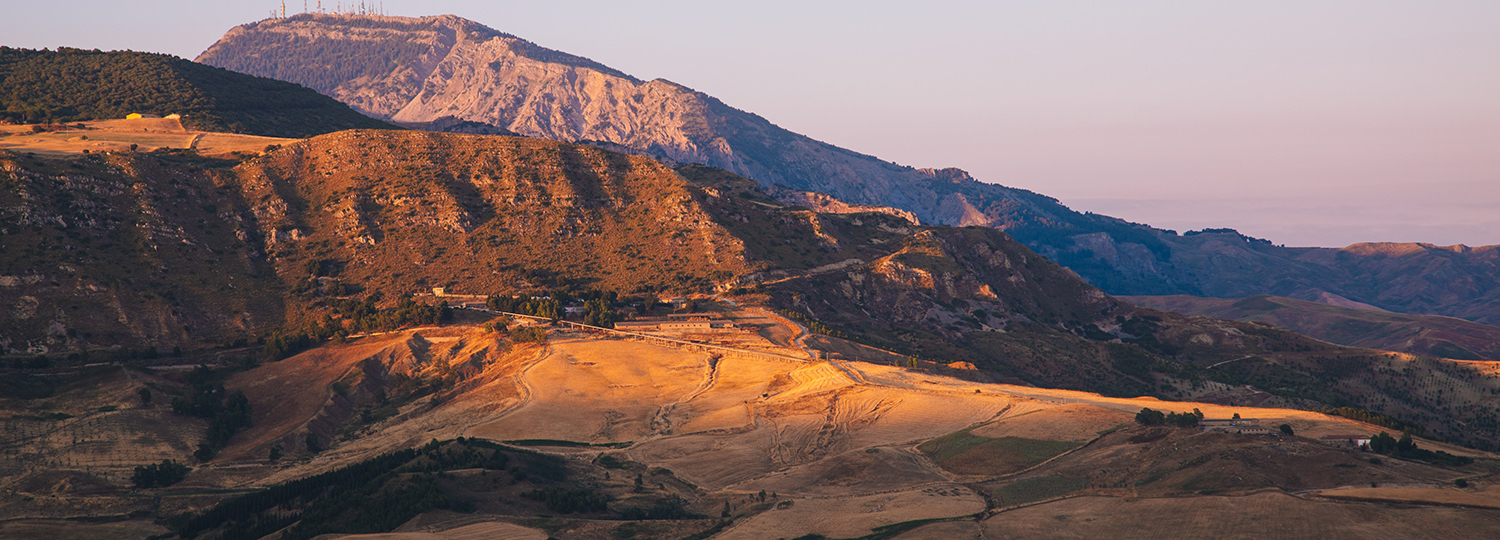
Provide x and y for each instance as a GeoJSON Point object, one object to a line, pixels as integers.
{"type": "Point", "coordinates": [70, 85]}
{"type": "Point", "coordinates": [447, 69]}
{"type": "Point", "coordinates": [1429, 335]}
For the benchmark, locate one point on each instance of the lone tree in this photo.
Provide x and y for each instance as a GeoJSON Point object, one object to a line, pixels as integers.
{"type": "Point", "coordinates": [166, 473]}
{"type": "Point", "coordinates": [1287, 429]}
{"type": "Point", "coordinates": [1149, 417]}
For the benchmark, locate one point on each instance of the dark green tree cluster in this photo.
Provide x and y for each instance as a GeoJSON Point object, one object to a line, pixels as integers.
{"type": "Point", "coordinates": [545, 307]}
{"type": "Point", "coordinates": [529, 335]}
{"type": "Point", "coordinates": [672, 507]}
{"type": "Point", "coordinates": [565, 500]}
{"type": "Point", "coordinates": [598, 312]}
{"type": "Point", "coordinates": [813, 325]}
{"type": "Point", "coordinates": [162, 474]}
{"type": "Point", "coordinates": [1151, 417]}
{"type": "Point", "coordinates": [241, 513]}
{"type": "Point", "coordinates": [362, 316]}
{"type": "Point", "coordinates": [70, 85]}
{"type": "Point", "coordinates": [375, 495]}
{"type": "Point", "coordinates": [468, 454]}
{"type": "Point", "coordinates": [1406, 448]}
{"type": "Point", "coordinates": [371, 508]}
{"type": "Point", "coordinates": [1372, 417]}
{"type": "Point", "coordinates": [226, 413]}
{"type": "Point", "coordinates": [281, 345]}
{"type": "Point", "coordinates": [366, 317]}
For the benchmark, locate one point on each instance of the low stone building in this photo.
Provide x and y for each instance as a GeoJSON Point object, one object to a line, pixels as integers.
{"type": "Point", "coordinates": [1355, 441]}
{"type": "Point", "coordinates": [1245, 426]}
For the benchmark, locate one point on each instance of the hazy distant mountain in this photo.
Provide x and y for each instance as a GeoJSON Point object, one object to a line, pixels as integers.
{"type": "Point", "coordinates": [438, 71]}
{"type": "Point", "coordinates": [1429, 335]}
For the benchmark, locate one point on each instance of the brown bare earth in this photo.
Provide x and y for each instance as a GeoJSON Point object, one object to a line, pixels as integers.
{"type": "Point", "coordinates": [78, 530]}
{"type": "Point", "coordinates": [848, 517]}
{"type": "Point", "coordinates": [1263, 515]}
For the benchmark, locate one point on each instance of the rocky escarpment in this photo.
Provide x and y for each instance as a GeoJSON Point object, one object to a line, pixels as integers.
{"type": "Point", "coordinates": [448, 69]}
{"type": "Point", "coordinates": [827, 204]}
{"type": "Point", "coordinates": [143, 250]}
{"type": "Point", "coordinates": [126, 249]}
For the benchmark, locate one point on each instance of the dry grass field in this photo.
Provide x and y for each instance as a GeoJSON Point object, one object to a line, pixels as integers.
{"type": "Point", "coordinates": [851, 517]}
{"type": "Point", "coordinates": [489, 530]}
{"type": "Point", "coordinates": [1477, 497]}
{"type": "Point", "coordinates": [614, 391]}
{"type": "Point", "coordinates": [117, 135]}
{"type": "Point", "coordinates": [1263, 515]}
{"type": "Point", "coordinates": [837, 445]}
{"type": "Point", "coordinates": [1073, 422]}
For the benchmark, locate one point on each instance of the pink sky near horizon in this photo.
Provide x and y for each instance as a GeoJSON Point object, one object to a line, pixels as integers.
{"type": "Point", "coordinates": [1307, 123]}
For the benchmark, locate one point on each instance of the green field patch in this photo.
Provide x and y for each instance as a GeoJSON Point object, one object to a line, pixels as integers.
{"type": "Point", "coordinates": [1041, 488]}
{"type": "Point", "coordinates": [966, 453]}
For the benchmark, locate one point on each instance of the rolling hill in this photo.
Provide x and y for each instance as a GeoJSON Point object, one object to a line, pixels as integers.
{"type": "Point", "coordinates": [437, 71]}
{"type": "Point", "coordinates": [328, 235]}
{"type": "Point", "coordinates": [1445, 337]}
{"type": "Point", "coordinates": [72, 85]}
{"type": "Point", "coordinates": [461, 432]}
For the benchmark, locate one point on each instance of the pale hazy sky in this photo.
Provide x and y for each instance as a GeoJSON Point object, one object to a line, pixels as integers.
{"type": "Point", "coordinates": [1304, 122]}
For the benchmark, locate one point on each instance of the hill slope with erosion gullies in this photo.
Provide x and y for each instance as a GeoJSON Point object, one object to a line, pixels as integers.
{"type": "Point", "coordinates": [71, 85]}
{"type": "Point", "coordinates": [1445, 337]}
{"type": "Point", "coordinates": [163, 250]}
{"type": "Point", "coordinates": [143, 249]}
{"type": "Point", "coordinates": [129, 249]}
{"type": "Point", "coordinates": [446, 70]}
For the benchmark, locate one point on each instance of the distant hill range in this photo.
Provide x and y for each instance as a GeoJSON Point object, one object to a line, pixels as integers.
{"type": "Point", "coordinates": [445, 70]}
{"type": "Point", "coordinates": [71, 85]}
{"type": "Point", "coordinates": [1429, 335]}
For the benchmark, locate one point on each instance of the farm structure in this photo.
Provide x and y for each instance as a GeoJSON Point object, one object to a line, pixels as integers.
{"type": "Point", "coordinates": [679, 322]}
{"type": "Point", "coordinates": [1355, 441]}
{"type": "Point", "coordinates": [1246, 426]}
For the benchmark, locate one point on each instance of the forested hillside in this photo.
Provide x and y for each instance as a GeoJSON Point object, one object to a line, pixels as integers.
{"type": "Point", "coordinates": [69, 85]}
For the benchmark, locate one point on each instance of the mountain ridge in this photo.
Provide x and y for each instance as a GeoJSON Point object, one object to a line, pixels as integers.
{"type": "Point", "coordinates": [461, 70]}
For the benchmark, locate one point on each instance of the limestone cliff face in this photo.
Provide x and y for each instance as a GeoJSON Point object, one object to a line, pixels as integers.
{"type": "Point", "coordinates": [417, 71]}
